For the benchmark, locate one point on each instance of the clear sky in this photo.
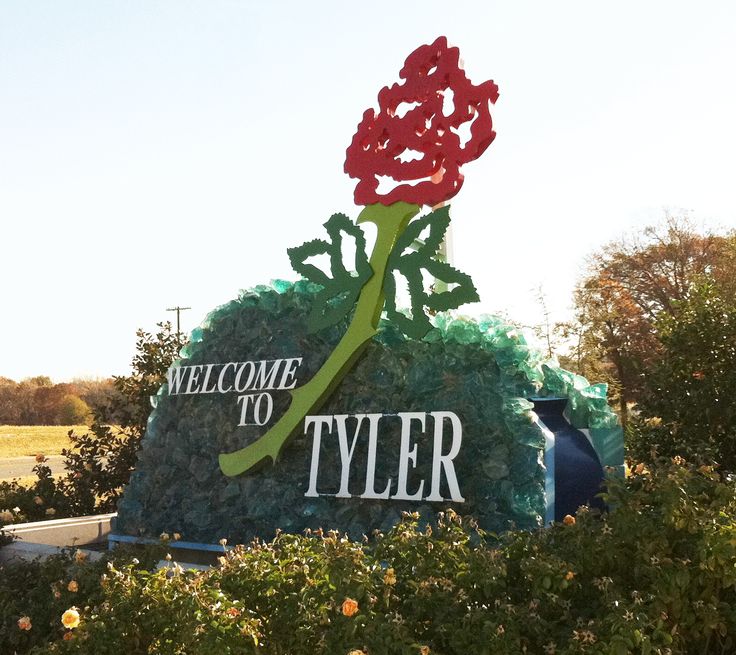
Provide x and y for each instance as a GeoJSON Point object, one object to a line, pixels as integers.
{"type": "Point", "coordinates": [155, 153]}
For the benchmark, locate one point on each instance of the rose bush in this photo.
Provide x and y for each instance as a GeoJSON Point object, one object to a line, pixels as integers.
{"type": "Point", "coordinates": [35, 595]}
{"type": "Point", "coordinates": [657, 575]}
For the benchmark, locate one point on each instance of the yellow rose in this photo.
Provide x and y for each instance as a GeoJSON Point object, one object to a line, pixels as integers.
{"type": "Point", "coordinates": [424, 650]}
{"type": "Point", "coordinates": [356, 652]}
{"type": "Point", "coordinates": [349, 607]}
{"type": "Point", "coordinates": [390, 577]}
{"type": "Point", "coordinates": [70, 618]}
{"type": "Point", "coordinates": [24, 623]}
{"type": "Point", "coordinates": [569, 575]}
{"type": "Point", "coordinates": [73, 586]}
{"type": "Point", "coordinates": [569, 520]}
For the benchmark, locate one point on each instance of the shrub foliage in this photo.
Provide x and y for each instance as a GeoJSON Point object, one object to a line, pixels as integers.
{"type": "Point", "coordinates": [100, 461]}
{"type": "Point", "coordinates": [656, 575]}
{"type": "Point", "coordinates": [689, 410]}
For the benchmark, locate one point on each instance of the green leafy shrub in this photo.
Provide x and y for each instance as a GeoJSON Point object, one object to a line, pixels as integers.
{"type": "Point", "coordinates": [4, 520]}
{"type": "Point", "coordinates": [41, 591]}
{"type": "Point", "coordinates": [19, 503]}
{"type": "Point", "coordinates": [100, 461]}
{"type": "Point", "coordinates": [656, 575]}
{"type": "Point", "coordinates": [689, 409]}
{"type": "Point", "coordinates": [73, 410]}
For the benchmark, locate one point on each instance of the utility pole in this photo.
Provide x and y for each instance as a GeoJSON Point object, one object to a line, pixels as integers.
{"type": "Point", "coordinates": [445, 252]}
{"type": "Point", "coordinates": [178, 311]}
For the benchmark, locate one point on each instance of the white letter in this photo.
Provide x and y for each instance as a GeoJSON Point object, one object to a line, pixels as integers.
{"type": "Point", "coordinates": [250, 376]}
{"type": "Point", "coordinates": [439, 460]}
{"type": "Point", "coordinates": [290, 372]}
{"type": "Point", "coordinates": [257, 408]}
{"type": "Point", "coordinates": [175, 376]}
{"type": "Point", "coordinates": [193, 378]}
{"type": "Point", "coordinates": [267, 380]}
{"type": "Point", "coordinates": [207, 379]}
{"type": "Point", "coordinates": [346, 454]}
{"type": "Point", "coordinates": [370, 470]}
{"type": "Point", "coordinates": [221, 377]}
{"type": "Point", "coordinates": [244, 410]}
{"type": "Point", "coordinates": [257, 414]}
{"type": "Point", "coordinates": [406, 455]}
{"type": "Point", "coordinates": [319, 422]}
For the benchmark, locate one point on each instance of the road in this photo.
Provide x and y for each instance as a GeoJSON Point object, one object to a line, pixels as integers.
{"type": "Point", "coordinates": [18, 467]}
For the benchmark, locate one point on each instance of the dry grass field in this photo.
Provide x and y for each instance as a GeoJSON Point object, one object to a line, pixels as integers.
{"type": "Point", "coordinates": [20, 440]}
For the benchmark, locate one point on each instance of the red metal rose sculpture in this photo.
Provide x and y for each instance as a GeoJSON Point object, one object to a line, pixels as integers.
{"type": "Point", "coordinates": [422, 150]}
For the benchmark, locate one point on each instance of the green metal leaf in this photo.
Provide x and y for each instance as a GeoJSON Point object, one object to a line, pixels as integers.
{"type": "Point", "coordinates": [462, 293]}
{"type": "Point", "coordinates": [339, 292]}
{"type": "Point", "coordinates": [422, 256]}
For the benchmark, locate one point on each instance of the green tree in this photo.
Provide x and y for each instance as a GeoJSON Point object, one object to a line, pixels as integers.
{"type": "Point", "coordinates": [100, 462]}
{"type": "Point", "coordinates": [10, 410]}
{"type": "Point", "coordinates": [73, 410]}
{"type": "Point", "coordinates": [688, 406]}
{"type": "Point", "coordinates": [99, 393]}
{"type": "Point", "coordinates": [629, 285]}
{"type": "Point", "coordinates": [47, 403]}
{"type": "Point", "coordinates": [27, 394]}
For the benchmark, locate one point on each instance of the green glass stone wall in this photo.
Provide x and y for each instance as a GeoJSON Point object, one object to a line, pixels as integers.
{"type": "Point", "coordinates": [482, 370]}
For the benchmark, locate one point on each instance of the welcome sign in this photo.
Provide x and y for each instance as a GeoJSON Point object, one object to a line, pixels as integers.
{"type": "Point", "coordinates": [321, 403]}
{"type": "Point", "coordinates": [252, 383]}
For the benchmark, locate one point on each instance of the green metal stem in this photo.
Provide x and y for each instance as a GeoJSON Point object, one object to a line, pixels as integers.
{"type": "Point", "coordinates": [390, 223]}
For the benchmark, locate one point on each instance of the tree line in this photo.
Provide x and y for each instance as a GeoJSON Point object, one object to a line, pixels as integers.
{"type": "Point", "coordinates": [38, 401]}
